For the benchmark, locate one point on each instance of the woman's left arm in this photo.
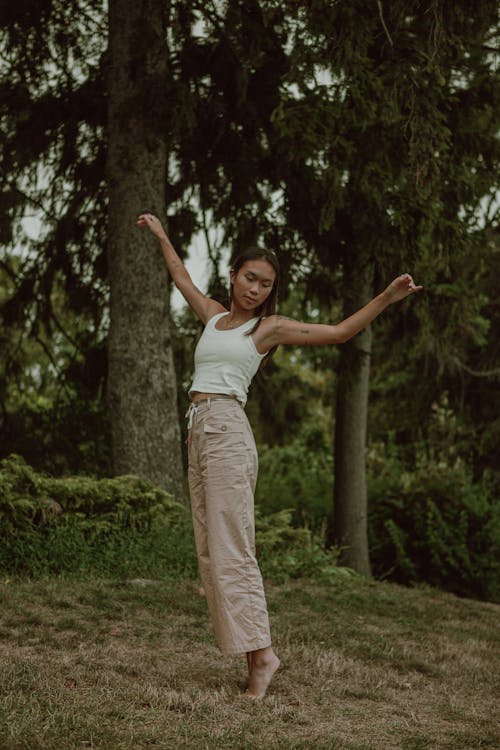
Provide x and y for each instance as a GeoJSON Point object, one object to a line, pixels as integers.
{"type": "Point", "coordinates": [279, 330]}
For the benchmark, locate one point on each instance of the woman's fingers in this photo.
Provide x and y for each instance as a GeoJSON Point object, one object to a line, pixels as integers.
{"type": "Point", "coordinates": [148, 220]}
{"type": "Point", "coordinates": [153, 223]}
{"type": "Point", "coordinates": [406, 280]}
{"type": "Point", "coordinates": [402, 287]}
{"type": "Point", "coordinates": [142, 220]}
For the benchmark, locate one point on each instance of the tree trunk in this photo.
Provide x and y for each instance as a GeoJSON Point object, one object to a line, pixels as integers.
{"type": "Point", "coordinates": [350, 501]}
{"type": "Point", "coordinates": [141, 383]}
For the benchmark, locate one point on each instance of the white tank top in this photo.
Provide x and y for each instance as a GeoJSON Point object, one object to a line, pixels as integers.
{"type": "Point", "coordinates": [225, 361]}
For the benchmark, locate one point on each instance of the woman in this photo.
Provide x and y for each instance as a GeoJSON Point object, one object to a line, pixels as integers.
{"type": "Point", "coordinates": [222, 455]}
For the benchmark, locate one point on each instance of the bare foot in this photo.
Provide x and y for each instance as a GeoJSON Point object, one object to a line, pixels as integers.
{"type": "Point", "coordinates": [263, 666]}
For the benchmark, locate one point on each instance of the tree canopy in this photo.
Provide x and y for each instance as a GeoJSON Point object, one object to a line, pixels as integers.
{"type": "Point", "coordinates": [348, 137]}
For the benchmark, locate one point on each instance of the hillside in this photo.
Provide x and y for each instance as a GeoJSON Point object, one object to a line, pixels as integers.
{"type": "Point", "coordinates": [365, 666]}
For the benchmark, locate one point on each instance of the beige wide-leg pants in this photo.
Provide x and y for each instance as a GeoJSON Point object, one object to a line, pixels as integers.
{"type": "Point", "coordinates": [222, 476]}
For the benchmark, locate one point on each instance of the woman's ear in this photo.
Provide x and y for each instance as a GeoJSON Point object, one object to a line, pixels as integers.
{"type": "Point", "coordinates": [232, 275]}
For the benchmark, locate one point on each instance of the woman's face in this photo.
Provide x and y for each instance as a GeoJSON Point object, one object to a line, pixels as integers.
{"type": "Point", "coordinates": [253, 283]}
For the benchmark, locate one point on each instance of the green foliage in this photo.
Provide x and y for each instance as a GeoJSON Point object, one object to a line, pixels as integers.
{"type": "Point", "coordinates": [298, 475]}
{"type": "Point", "coordinates": [287, 552]}
{"type": "Point", "coordinates": [119, 526]}
{"type": "Point", "coordinates": [430, 520]}
{"type": "Point", "coordinates": [325, 130]}
{"type": "Point", "coordinates": [434, 524]}
{"type": "Point", "coordinates": [295, 488]}
{"type": "Point", "coordinates": [53, 411]}
{"type": "Point", "coordinates": [126, 527]}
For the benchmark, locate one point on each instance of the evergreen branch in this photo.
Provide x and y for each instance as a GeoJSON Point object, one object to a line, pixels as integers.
{"type": "Point", "coordinates": [92, 21]}
{"type": "Point", "coordinates": [436, 28]}
{"type": "Point", "coordinates": [49, 355]}
{"type": "Point", "coordinates": [207, 236]}
{"type": "Point", "coordinates": [60, 326]}
{"type": "Point", "coordinates": [478, 373]}
{"type": "Point", "coordinates": [215, 14]}
{"type": "Point", "coordinates": [33, 201]}
{"type": "Point", "coordinates": [213, 253]}
{"type": "Point", "coordinates": [61, 379]}
{"type": "Point", "coordinates": [382, 20]}
{"type": "Point", "coordinates": [209, 10]}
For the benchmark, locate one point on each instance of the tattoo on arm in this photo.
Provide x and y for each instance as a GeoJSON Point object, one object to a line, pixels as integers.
{"type": "Point", "coordinates": [305, 331]}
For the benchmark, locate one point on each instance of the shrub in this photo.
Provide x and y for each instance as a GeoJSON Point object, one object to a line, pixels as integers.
{"type": "Point", "coordinates": [297, 476]}
{"type": "Point", "coordinates": [79, 524]}
{"type": "Point", "coordinates": [287, 552]}
{"type": "Point", "coordinates": [434, 525]}
{"type": "Point", "coordinates": [126, 527]}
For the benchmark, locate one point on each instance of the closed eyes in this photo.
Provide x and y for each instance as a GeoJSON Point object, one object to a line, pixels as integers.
{"type": "Point", "coordinates": [267, 285]}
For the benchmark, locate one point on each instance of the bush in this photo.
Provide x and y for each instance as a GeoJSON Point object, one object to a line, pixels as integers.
{"type": "Point", "coordinates": [434, 525]}
{"type": "Point", "coordinates": [118, 526]}
{"type": "Point", "coordinates": [297, 476]}
{"type": "Point", "coordinates": [125, 527]}
{"type": "Point", "coordinates": [287, 552]}
{"type": "Point", "coordinates": [429, 521]}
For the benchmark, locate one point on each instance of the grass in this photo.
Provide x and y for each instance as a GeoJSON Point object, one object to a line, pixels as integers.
{"type": "Point", "coordinates": [365, 666]}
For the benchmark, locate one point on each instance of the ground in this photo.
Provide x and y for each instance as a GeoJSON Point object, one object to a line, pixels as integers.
{"type": "Point", "coordinates": [123, 665]}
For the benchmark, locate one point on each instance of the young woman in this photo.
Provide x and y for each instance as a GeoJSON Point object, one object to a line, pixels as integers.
{"type": "Point", "coordinates": [222, 455]}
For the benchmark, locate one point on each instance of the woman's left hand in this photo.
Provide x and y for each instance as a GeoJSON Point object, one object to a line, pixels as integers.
{"type": "Point", "coordinates": [401, 287]}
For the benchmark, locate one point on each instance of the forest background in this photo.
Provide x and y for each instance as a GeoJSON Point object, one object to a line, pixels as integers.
{"type": "Point", "coordinates": [356, 140]}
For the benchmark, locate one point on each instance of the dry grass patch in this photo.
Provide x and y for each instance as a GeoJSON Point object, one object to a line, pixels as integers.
{"type": "Point", "coordinates": [365, 666]}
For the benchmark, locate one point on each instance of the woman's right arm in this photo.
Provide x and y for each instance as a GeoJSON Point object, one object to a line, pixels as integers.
{"type": "Point", "coordinates": [204, 307]}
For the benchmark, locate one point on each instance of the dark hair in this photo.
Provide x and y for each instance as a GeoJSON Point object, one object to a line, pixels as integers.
{"type": "Point", "coordinates": [268, 307]}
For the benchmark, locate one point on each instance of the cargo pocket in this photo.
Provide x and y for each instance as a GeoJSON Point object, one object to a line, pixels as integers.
{"type": "Point", "coordinates": [225, 448]}
{"type": "Point", "coordinates": [223, 428]}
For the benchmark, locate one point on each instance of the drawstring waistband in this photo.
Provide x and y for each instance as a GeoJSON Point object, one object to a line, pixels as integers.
{"type": "Point", "coordinates": [191, 412]}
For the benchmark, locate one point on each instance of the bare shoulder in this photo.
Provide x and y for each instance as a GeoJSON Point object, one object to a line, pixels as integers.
{"type": "Point", "coordinates": [212, 308]}
{"type": "Point", "coordinates": [204, 307]}
{"type": "Point", "coordinates": [267, 334]}
{"type": "Point", "coordinates": [269, 326]}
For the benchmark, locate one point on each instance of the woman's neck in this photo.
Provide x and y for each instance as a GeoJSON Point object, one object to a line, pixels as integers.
{"type": "Point", "coordinates": [237, 317]}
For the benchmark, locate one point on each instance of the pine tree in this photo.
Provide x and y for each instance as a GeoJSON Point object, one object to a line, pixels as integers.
{"type": "Point", "coordinates": [142, 391]}
{"type": "Point", "coordinates": [56, 81]}
{"type": "Point", "coordinates": [382, 148]}
{"type": "Point", "coordinates": [358, 141]}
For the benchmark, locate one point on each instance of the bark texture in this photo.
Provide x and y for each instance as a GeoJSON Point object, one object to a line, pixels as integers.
{"type": "Point", "coordinates": [142, 383]}
{"type": "Point", "coordinates": [350, 500]}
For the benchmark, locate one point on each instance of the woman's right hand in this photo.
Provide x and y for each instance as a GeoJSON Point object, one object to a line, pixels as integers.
{"type": "Point", "coordinates": [400, 288]}
{"type": "Point", "coordinates": [153, 224]}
